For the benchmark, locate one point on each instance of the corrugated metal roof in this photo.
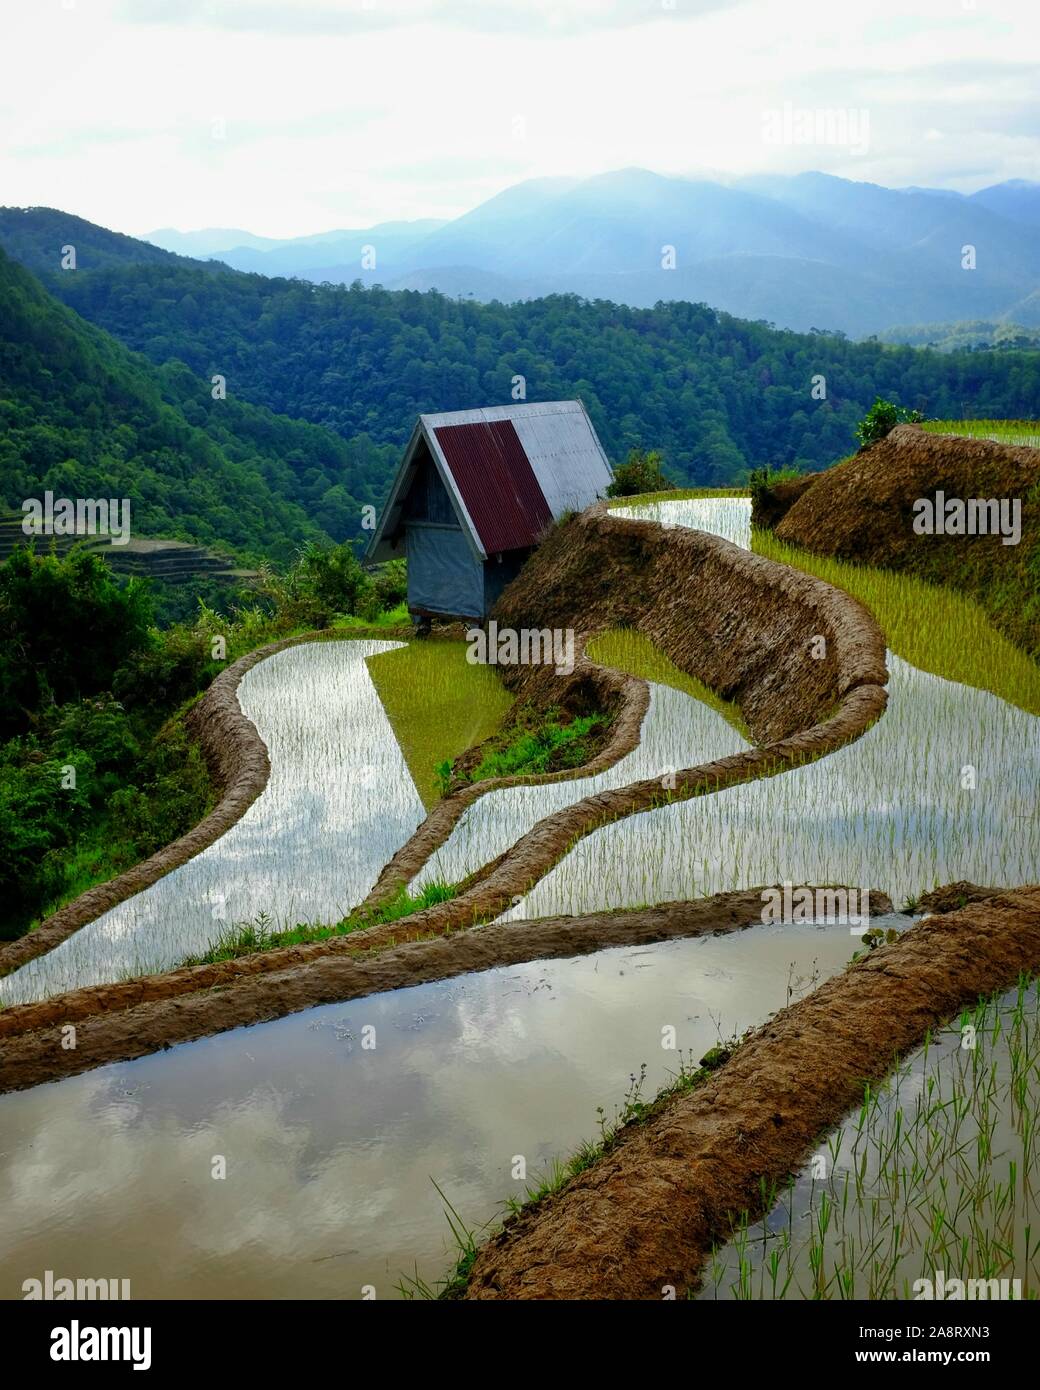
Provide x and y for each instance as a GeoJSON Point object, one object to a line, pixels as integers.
{"type": "Point", "coordinates": [497, 483]}
{"type": "Point", "coordinates": [566, 470]}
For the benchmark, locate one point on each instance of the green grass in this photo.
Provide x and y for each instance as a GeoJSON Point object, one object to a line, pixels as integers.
{"type": "Point", "coordinates": [1019, 432]}
{"type": "Point", "coordinates": [548, 746]}
{"type": "Point", "coordinates": [438, 704]}
{"type": "Point", "coordinates": [629, 651]}
{"type": "Point", "coordinates": [936, 629]}
{"type": "Point", "coordinates": [248, 938]}
{"type": "Point", "coordinates": [389, 617]}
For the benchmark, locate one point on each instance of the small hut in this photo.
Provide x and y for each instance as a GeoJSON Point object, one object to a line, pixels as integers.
{"type": "Point", "coordinates": [475, 491]}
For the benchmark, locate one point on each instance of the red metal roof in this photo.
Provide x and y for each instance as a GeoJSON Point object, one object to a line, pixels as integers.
{"type": "Point", "coordinates": [497, 483]}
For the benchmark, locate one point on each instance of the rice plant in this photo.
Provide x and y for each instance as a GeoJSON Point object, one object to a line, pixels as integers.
{"type": "Point", "coordinates": [942, 787]}
{"type": "Point", "coordinates": [933, 1178]}
{"type": "Point", "coordinates": [678, 731]}
{"type": "Point", "coordinates": [1017, 432]}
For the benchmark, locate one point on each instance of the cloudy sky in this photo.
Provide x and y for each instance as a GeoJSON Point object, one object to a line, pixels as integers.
{"type": "Point", "coordinates": [292, 116]}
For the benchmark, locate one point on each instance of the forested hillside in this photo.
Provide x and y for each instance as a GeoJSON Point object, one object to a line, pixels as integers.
{"type": "Point", "coordinates": [38, 238]}
{"type": "Point", "coordinates": [83, 416]}
{"type": "Point", "coordinates": [717, 395]}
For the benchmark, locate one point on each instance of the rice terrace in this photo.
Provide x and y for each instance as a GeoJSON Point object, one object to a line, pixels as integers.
{"type": "Point", "coordinates": [519, 764]}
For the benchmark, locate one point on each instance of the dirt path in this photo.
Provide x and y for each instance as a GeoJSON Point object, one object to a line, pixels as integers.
{"type": "Point", "coordinates": [645, 1216]}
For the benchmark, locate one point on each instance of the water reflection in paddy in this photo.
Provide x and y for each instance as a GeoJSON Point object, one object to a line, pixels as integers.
{"type": "Point", "coordinates": [331, 1148]}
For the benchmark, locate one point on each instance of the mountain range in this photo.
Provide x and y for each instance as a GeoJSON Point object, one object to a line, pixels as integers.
{"type": "Point", "coordinates": [803, 251]}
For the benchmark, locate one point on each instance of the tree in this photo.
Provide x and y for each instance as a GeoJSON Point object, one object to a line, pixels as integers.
{"type": "Point", "coordinates": [65, 627]}
{"type": "Point", "coordinates": [641, 472]}
{"type": "Point", "coordinates": [881, 419]}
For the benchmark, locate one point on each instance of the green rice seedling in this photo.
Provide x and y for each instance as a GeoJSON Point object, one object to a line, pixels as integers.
{"type": "Point", "coordinates": [958, 641]}
{"type": "Point", "coordinates": [1018, 432]}
{"type": "Point", "coordinates": [942, 787]}
{"type": "Point", "coordinates": [934, 1178]}
{"type": "Point", "coordinates": [679, 730]}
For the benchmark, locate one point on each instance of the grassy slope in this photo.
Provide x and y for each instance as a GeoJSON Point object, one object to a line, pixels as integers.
{"type": "Point", "coordinates": [863, 510]}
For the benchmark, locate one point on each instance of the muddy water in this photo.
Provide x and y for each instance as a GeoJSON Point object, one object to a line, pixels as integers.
{"type": "Point", "coordinates": [339, 802]}
{"type": "Point", "coordinates": [901, 1191]}
{"type": "Point", "coordinates": [330, 1147]}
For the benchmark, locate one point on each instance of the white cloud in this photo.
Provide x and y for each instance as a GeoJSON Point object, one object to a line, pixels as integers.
{"type": "Point", "coordinates": [342, 115]}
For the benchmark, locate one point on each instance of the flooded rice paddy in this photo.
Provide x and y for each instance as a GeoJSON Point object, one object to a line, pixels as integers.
{"type": "Point", "coordinates": [678, 731]}
{"type": "Point", "coordinates": [943, 787]}
{"type": "Point", "coordinates": [729, 517]}
{"type": "Point", "coordinates": [332, 1149]}
{"type": "Point", "coordinates": [937, 1171]}
{"type": "Point", "coordinates": [340, 801]}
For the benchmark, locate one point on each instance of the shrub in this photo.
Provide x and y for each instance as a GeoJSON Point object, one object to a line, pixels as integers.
{"type": "Point", "coordinates": [390, 584]}
{"type": "Point", "coordinates": [68, 617]}
{"type": "Point", "coordinates": [881, 419]}
{"type": "Point", "coordinates": [641, 472]}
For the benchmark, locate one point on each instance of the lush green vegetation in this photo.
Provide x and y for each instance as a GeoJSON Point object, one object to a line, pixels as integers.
{"type": "Point", "coordinates": [716, 395]}
{"type": "Point", "coordinates": [882, 418]}
{"type": "Point", "coordinates": [36, 237]}
{"type": "Point", "coordinates": [96, 770]}
{"type": "Point", "coordinates": [83, 417]}
{"type": "Point", "coordinates": [535, 742]}
{"type": "Point", "coordinates": [247, 938]}
{"type": "Point", "coordinates": [640, 473]}
{"type": "Point", "coordinates": [958, 641]}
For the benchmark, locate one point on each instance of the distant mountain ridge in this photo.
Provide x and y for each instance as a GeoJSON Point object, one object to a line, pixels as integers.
{"type": "Point", "coordinates": [803, 251]}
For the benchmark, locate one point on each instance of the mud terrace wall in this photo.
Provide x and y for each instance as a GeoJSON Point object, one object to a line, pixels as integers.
{"type": "Point", "coordinates": [737, 621]}
{"type": "Point", "coordinates": [646, 1214]}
